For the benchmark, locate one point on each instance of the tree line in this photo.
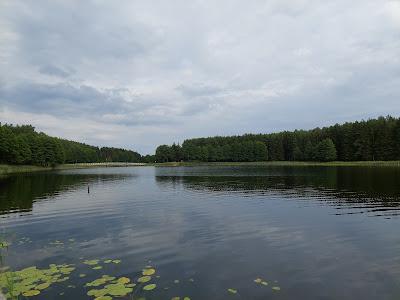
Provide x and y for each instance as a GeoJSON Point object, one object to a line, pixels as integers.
{"type": "Point", "coordinates": [23, 145]}
{"type": "Point", "coordinates": [367, 140]}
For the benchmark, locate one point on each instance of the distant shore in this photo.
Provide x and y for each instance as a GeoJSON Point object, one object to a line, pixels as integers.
{"type": "Point", "coordinates": [284, 163]}
{"type": "Point", "coordinates": [11, 169]}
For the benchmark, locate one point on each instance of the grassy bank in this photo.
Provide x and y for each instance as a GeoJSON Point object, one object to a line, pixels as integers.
{"type": "Point", "coordinates": [285, 163]}
{"type": "Point", "coordinates": [12, 169]}
{"type": "Point", "coordinates": [9, 169]}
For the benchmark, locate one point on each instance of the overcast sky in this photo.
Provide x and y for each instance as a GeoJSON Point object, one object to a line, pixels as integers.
{"type": "Point", "coordinates": [137, 74]}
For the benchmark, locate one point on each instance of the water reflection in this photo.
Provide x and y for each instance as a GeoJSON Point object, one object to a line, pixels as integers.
{"type": "Point", "coordinates": [224, 227]}
{"type": "Point", "coordinates": [18, 193]}
{"type": "Point", "coordinates": [351, 190]}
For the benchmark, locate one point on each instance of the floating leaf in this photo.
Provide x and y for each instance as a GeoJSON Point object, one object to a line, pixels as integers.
{"type": "Point", "coordinates": [116, 261]}
{"type": "Point", "coordinates": [31, 280]}
{"type": "Point", "coordinates": [186, 298]}
{"type": "Point", "coordinates": [276, 288]}
{"type": "Point", "coordinates": [117, 289]}
{"type": "Point", "coordinates": [144, 279]}
{"type": "Point", "coordinates": [91, 262]}
{"type": "Point", "coordinates": [108, 261]}
{"type": "Point", "coordinates": [43, 286]}
{"type": "Point", "coordinates": [258, 280]}
{"type": "Point", "coordinates": [176, 281]}
{"type": "Point", "coordinates": [264, 283]}
{"type": "Point", "coordinates": [82, 275]}
{"type": "Point", "coordinates": [100, 281]}
{"type": "Point", "coordinates": [149, 287]}
{"type": "Point", "coordinates": [103, 298]}
{"type": "Point", "coordinates": [97, 268]}
{"type": "Point", "coordinates": [31, 293]}
{"type": "Point", "coordinates": [232, 291]}
{"type": "Point", "coordinates": [148, 271]}
{"type": "Point", "coordinates": [176, 298]}
{"type": "Point", "coordinates": [123, 280]}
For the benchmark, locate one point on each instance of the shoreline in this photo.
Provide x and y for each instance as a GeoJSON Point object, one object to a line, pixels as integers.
{"type": "Point", "coordinates": [284, 164]}
{"type": "Point", "coordinates": [14, 169]}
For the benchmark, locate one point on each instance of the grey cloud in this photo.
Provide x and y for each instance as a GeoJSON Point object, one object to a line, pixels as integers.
{"type": "Point", "coordinates": [54, 71]}
{"type": "Point", "coordinates": [65, 100]}
{"type": "Point", "coordinates": [230, 66]}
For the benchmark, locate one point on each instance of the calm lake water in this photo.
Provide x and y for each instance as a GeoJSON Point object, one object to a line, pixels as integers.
{"type": "Point", "coordinates": [312, 232]}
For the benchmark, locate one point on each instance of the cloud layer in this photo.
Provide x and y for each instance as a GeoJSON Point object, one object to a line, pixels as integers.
{"type": "Point", "coordinates": [139, 73]}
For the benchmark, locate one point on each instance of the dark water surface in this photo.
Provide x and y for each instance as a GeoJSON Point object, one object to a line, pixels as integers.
{"type": "Point", "coordinates": [314, 232]}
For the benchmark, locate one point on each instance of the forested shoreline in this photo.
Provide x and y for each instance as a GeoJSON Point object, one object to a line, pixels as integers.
{"type": "Point", "coordinates": [371, 140]}
{"type": "Point", "coordinates": [22, 145]}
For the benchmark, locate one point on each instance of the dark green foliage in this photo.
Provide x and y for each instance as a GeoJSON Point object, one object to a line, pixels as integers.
{"type": "Point", "coordinates": [325, 150]}
{"type": "Point", "coordinates": [375, 139]}
{"type": "Point", "coordinates": [23, 145]}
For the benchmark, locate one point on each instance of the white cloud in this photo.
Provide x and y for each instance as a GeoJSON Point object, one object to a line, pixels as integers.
{"type": "Point", "coordinates": [150, 72]}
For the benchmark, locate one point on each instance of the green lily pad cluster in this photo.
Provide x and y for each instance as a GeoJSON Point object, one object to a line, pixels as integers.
{"type": "Point", "coordinates": [31, 281]}
{"type": "Point", "coordinates": [179, 298]}
{"type": "Point", "coordinates": [261, 281]}
{"type": "Point", "coordinates": [91, 262]}
{"type": "Point", "coordinates": [147, 273]}
{"type": "Point", "coordinates": [110, 286]}
{"type": "Point", "coordinates": [265, 283]}
{"type": "Point", "coordinates": [94, 263]}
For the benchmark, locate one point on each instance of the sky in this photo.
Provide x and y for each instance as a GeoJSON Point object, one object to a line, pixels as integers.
{"type": "Point", "coordinates": [137, 74]}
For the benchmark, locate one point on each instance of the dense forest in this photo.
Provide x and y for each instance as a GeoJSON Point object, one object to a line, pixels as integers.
{"type": "Point", "coordinates": [374, 139]}
{"type": "Point", "coordinates": [23, 145]}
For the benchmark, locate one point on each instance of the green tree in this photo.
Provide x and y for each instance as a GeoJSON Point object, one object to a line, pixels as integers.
{"type": "Point", "coordinates": [325, 150]}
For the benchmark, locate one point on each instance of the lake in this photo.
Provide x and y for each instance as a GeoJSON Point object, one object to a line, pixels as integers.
{"type": "Point", "coordinates": [204, 232]}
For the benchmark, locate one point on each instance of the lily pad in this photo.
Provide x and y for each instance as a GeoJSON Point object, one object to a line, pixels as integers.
{"type": "Point", "coordinates": [232, 291]}
{"type": "Point", "coordinates": [276, 288]}
{"type": "Point", "coordinates": [123, 280]}
{"type": "Point", "coordinates": [144, 279]}
{"type": "Point", "coordinates": [149, 287]}
{"type": "Point", "coordinates": [92, 262]}
{"type": "Point", "coordinates": [31, 293]}
{"type": "Point", "coordinates": [30, 281]}
{"type": "Point", "coordinates": [43, 286]}
{"type": "Point", "coordinates": [148, 271]}
{"type": "Point", "coordinates": [103, 298]}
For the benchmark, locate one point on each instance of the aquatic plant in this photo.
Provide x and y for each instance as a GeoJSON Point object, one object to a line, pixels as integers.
{"type": "Point", "coordinates": [232, 291]}
{"type": "Point", "coordinates": [31, 281]}
{"type": "Point", "coordinates": [149, 287]}
{"type": "Point", "coordinates": [110, 287]}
